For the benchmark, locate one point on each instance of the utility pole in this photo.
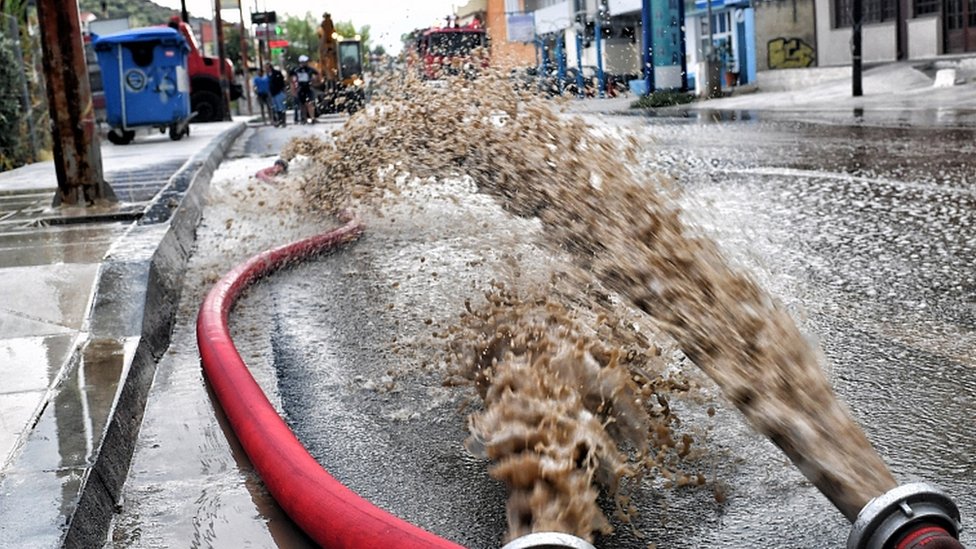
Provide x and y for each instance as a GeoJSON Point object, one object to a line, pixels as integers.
{"type": "Point", "coordinates": [185, 15]}
{"type": "Point", "coordinates": [77, 156]}
{"type": "Point", "coordinates": [856, 49]}
{"type": "Point", "coordinates": [222, 59]}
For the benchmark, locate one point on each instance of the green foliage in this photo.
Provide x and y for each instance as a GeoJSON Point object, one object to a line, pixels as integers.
{"type": "Point", "coordinates": [232, 45]}
{"type": "Point", "coordinates": [16, 77]}
{"type": "Point", "coordinates": [662, 99]}
{"type": "Point", "coordinates": [12, 149]}
{"type": "Point", "coordinates": [348, 30]}
{"type": "Point", "coordinates": [301, 36]}
{"type": "Point", "coordinates": [141, 13]}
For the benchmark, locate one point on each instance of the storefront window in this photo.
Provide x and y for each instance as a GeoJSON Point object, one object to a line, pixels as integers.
{"type": "Point", "coordinates": [925, 7]}
{"type": "Point", "coordinates": [875, 11]}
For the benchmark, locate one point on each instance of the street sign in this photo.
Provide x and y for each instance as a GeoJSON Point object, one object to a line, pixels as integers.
{"type": "Point", "coordinates": [262, 17]}
{"type": "Point", "coordinates": [521, 28]}
{"type": "Point", "coordinates": [275, 44]}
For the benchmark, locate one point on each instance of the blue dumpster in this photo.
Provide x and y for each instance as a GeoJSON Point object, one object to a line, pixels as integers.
{"type": "Point", "coordinates": [144, 74]}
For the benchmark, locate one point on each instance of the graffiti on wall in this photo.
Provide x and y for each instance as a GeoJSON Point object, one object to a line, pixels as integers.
{"type": "Point", "coordinates": [789, 53]}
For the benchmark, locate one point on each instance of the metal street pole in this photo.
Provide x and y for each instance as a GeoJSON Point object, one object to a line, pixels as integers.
{"type": "Point", "coordinates": [647, 38]}
{"type": "Point", "coordinates": [710, 48]}
{"type": "Point", "coordinates": [560, 61]}
{"type": "Point", "coordinates": [247, 85]}
{"type": "Point", "coordinates": [856, 49]}
{"type": "Point", "coordinates": [222, 59]}
{"type": "Point", "coordinates": [580, 87]}
{"type": "Point", "coordinates": [185, 15]}
{"type": "Point", "coordinates": [77, 156]}
{"type": "Point", "coordinates": [598, 36]}
{"type": "Point", "coordinates": [684, 46]}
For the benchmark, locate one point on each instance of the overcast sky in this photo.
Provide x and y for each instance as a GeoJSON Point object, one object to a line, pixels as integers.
{"type": "Point", "coordinates": [387, 19]}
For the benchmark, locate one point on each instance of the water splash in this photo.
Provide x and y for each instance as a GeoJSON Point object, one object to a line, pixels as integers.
{"type": "Point", "coordinates": [621, 225]}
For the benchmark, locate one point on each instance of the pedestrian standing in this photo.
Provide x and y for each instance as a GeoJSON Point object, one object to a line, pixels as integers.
{"type": "Point", "coordinates": [263, 91]}
{"type": "Point", "coordinates": [276, 89]}
{"type": "Point", "coordinates": [303, 76]}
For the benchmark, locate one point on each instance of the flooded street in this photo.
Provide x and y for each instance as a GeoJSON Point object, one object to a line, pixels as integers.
{"type": "Point", "coordinates": [862, 233]}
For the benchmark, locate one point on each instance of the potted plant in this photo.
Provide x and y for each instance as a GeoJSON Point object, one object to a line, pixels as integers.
{"type": "Point", "coordinates": [724, 51]}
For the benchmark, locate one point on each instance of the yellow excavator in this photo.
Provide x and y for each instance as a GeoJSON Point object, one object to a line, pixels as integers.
{"type": "Point", "coordinates": [341, 65]}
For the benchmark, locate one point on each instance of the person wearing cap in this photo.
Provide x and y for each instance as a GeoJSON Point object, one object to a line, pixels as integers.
{"type": "Point", "coordinates": [302, 77]}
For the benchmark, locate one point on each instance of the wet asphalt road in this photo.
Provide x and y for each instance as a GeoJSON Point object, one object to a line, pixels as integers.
{"type": "Point", "coordinates": [865, 234]}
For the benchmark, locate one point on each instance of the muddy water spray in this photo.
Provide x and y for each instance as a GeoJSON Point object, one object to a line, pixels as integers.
{"type": "Point", "coordinates": [619, 225]}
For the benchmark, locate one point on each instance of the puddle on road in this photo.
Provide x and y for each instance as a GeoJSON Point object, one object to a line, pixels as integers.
{"type": "Point", "coordinates": [623, 228]}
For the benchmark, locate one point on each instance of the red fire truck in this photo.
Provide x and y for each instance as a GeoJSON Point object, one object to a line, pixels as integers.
{"type": "Point", "coordinates": [450, 50]}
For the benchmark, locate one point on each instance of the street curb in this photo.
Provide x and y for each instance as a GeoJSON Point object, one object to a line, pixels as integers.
{"type": "Point", "coordinates": [136, 297]}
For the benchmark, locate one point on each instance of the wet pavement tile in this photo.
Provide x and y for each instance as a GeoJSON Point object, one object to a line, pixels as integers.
{"type": "Point", "coordinates": [16, 411]}
{"type": "Point", "coordinates": [57, 295]}
{"type": "Point", "coordinates": [29, 516]}
{"type": "Point", "coordinates": [32, 363]}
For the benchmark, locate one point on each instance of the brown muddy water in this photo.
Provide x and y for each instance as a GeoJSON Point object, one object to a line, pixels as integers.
{"type": "Point", "coordinates": [574, 401]}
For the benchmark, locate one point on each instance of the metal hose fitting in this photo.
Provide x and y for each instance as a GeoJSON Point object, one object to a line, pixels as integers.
{"type": "Point", "coordinates": [548, 540]}
{"type": "Point", "coordinates": [898, 513]}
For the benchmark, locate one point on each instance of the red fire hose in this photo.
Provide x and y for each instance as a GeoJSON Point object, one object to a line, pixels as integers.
{"type": "Point", "coordinates": [331, 514]}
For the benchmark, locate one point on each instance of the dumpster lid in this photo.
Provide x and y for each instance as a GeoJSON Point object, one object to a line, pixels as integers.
{"type": "Point", "coordinates": [164, 35]}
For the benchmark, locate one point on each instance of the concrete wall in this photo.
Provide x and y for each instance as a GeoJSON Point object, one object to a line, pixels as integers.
{"type": "Point", "coordinates": [798, 79]}
{"type": "Point", "coordinates": [924, 37]}
{"type": "Point", "coordinates": [621, 56]}
{"type": "Point", "coordinates": [623, 6]}
{"type": "Point", "coordinates": [505, 54]}
{"type": "Point", "coordinates": [877, 44]}
{"type": "Point", "coordinates": [878, 41]}
{"type": "Point", "coordinates": [786, 27]}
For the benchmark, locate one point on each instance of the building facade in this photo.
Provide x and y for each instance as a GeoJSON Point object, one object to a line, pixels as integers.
{"type": "Point", "coordinates": [747, 36]}
{"type": "Point", "coordinates": [506, 52]}
{"type": "Point", "coordinates": [896, 29]}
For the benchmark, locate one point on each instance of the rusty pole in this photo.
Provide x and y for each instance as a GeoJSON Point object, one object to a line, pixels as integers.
{"type": "Point", "coordinates": [247, 75]}
{"type": "Point", "coordinates": [222, 59]}
{"type": "Point", "coordinates": [77, 156]}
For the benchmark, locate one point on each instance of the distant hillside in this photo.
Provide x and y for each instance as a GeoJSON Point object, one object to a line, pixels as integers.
{"type": "Point", "coordinates": [141, 12]}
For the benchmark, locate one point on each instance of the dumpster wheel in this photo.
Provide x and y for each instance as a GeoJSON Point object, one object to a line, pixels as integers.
{"type": "Point", "coordinates": [121, 137]}
{"type": "Point", "coordinates": [177, 131]}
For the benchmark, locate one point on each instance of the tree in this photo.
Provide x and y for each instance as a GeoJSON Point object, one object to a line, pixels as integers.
{"type": "Point", "coordinates": [141, 13]}
{"type": "Point", "coordinates": [348, 30]}
{"type": "Point", "coordinates": [12, 144]}
{"type": "Point", "coordinates": [232, 47]}
{"type": "Point", "coordinates": [24, 129]}
{"type": "Point", "coordinates": [301, 36]}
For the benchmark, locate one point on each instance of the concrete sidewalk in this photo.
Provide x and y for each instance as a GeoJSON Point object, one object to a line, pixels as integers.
{"type": "Point", "coordinates": [899, 94]}
{"type": "Point", "coordinates": [87, 301]}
